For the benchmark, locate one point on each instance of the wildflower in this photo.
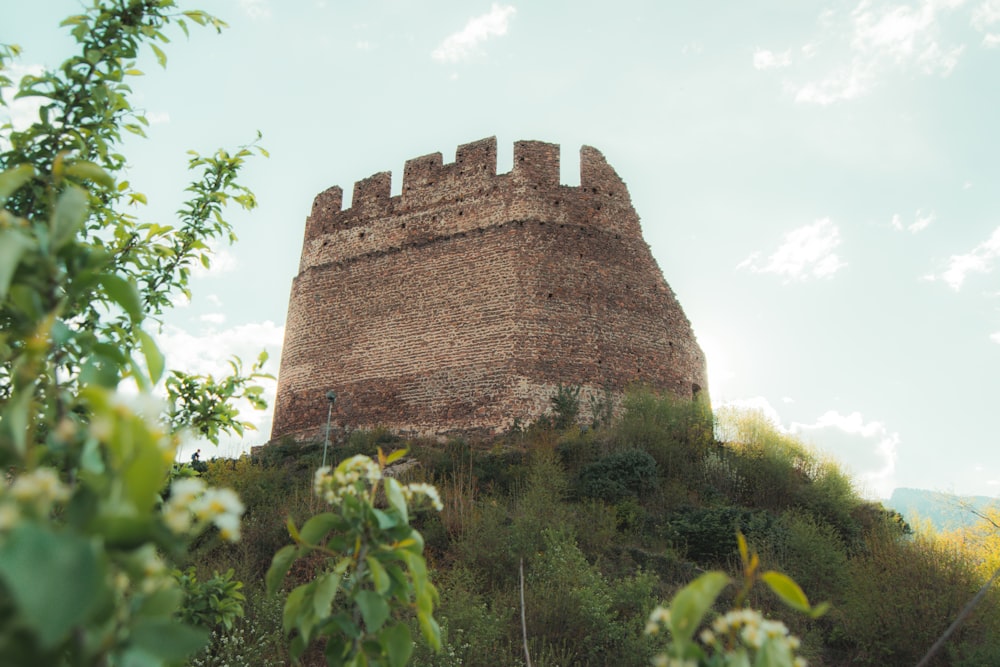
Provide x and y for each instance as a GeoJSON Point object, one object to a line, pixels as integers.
{"type": "Point", "coordinates": [660, 616]}
{"type": "Point", "coordinates": [426, 490]}
{"type": "Point", "coordinates": [40, 488]}
{"type": "Point", "coordinates": [321, 480]}
{"type": "Point", "coordinates": [184, 490]}
{"type": "Point", "coordinates": [223, 508]}
{"type": "Point", "coordinates": [229, 526]}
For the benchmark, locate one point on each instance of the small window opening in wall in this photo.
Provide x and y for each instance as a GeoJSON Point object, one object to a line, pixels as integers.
{"type": "Point", "coordinates": [460, 212]}
{"type": "Point", "coordinates": [402, 225]}
{"type": "Point", "coordinates": [550, 295]}
{"type": "Point", "coordinates": [361, 235]}
{"type": "Point", "coordinates": [695, 390]}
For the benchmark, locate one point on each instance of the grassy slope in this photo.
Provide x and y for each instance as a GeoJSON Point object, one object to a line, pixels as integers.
{"type": "Point", "coordinates": [612, 519]}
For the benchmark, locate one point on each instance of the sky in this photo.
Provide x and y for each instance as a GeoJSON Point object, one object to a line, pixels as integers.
{"type": "Point", "coordinates": [818, 181]}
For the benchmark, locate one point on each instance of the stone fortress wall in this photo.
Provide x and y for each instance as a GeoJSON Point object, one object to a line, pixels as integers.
{"type": "Point", "coordinates": [461, 304]}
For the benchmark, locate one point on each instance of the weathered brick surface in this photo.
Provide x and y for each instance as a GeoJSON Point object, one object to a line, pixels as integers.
{"type": "Point", "coordinates": [462, 303]}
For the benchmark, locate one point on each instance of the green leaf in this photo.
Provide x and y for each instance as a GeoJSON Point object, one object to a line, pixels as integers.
{"type": "Point", "coordinates": [163, 602]}
{"type": "Point", "coordinates": [71, 211]}
{"type": "Point", "coordinates": [398, 644]}
{"type": "Point", "coordinates": [374, 609]}
{"type": "Point", "coordinates": [167, 639]}
{"type": "Point", "coordinates": [379, 576]}
{"type": "Point", "coordinates": [293, 607]}
{"type": "Point", "coordinates": [16, 417]}
{"type": "Point", "coordinates": [73, 20]}
{"type": "Point", "coordinates": [122, 292]}
{"type": "Point", "coordinates": [91, 172]}
{"type": "Point", "coordinates": [12, 179]}
{"type": "Point", "coordinates": [13, 244]}
{"type": "Point", "coordinates": [144, 470]}
{"type": "Point", "coordinates": [785, 588]}
{"type": "Point", "coordinates": [326, 589]}
{"type": "Point", "coordinates": [430, 629]}
{"type": "Point", "coordinates": [279, 568]}
{"type": "Point", "coordinates": [161, 57]}
{"type": "Point", "coordinates": [396, 455]}
{"type": "Point", "coordinates": [154, 357]}
{"type": "Point", "coordinates": [692, 602]}
{"type": "Point", "coordinates": [54, 579]}
{"type": "Point", "coordinates": [317, 527]}
{"type": "Point", "coordinates": [394, 494]}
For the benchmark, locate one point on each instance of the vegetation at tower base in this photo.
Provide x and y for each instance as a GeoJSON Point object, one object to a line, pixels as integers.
{"type": "Point", "coordinates": [462, 304]}
{"type": "Point", "coordinates": [604, 545]}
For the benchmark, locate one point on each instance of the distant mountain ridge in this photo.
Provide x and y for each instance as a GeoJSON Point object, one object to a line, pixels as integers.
{"type": "Point", "coordinates": [945, 511]}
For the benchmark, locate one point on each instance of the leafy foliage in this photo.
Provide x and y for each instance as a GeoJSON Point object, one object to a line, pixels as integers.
{"type": "Point", "coordinates": [83, 529]}
{"type": "Point", "coordinates": [214, 602]}
{"type": "Point", "coordinates": [629, 472]}
{"type": "Point", "coordinates": [374, 569]}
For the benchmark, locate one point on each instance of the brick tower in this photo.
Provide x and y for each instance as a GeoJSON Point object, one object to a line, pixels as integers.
{"type": "Point", "coordinates": [462, 303]}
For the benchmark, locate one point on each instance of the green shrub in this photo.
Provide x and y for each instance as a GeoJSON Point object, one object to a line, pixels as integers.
{"type": "Point", "coordinates": [900, 596]}
{"type": "Point", "coordinates": [565, 407]}
{"type": "Point", "coordinates": [569, 604]}
{"type": "Point", "coordinates": [677, 433]}
{"type": "Point", "coordinates": [253, 641]}
{"type": "Point", "coordinates": [212, 603]}
{"type": "Point", "coordinates": [812, 552]}
{"type": "Point", "coordinates": [707, 535]}
{"type": "Point", "coordinates": [628, 472]}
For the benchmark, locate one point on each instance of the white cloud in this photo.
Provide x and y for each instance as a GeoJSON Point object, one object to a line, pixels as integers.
{"type": "Point", "coordinates": [866, 448]}
{"type": "Point", "coordinates": [985, 19]}
{"type": "Point", "coordinates": [845, 83]}
{"type": "Point", "coordinates": [158, 117]}
{"type": "Point", "coordinates": [256, 9]}
{"type": "Point", "coordinates": [221, 261]}
{"type": "Point", "coordinates": [692, 49]}
{"type": "Point", "coordinates": [979, 260]}
{"type": "Point", "coordinates": [920, 222]}
{"type": "Point", "coordinates": [876, 40]}
{"type": "Point", "coordinates": [24, 111]}
{"type": "Point", "coordinates": [461, 45]}
{"type": "Point", "coordinates": [213, 318]}
{"type": "Point", "coordinates": [806, 252]}
{"type": "Point", "coordinates": [764, 59]}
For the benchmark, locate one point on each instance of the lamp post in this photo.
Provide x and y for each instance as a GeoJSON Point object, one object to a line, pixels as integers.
{"type": "Point", "coordinates": [330, 396]}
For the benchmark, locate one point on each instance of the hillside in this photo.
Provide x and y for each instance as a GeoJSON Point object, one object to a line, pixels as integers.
{"type": "Point", "coordinates": [611, 519]}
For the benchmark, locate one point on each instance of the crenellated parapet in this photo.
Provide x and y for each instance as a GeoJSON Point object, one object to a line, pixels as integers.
{"type": "Point", "coordinates": [439, 199]}
{"type": "Point", "coordinates": [463, 302]}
